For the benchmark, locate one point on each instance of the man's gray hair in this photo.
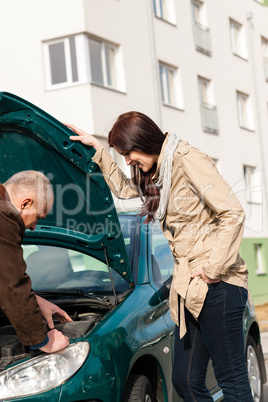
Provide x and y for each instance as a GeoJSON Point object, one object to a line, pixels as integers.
{"type": "Point", "coordinates": [31, 182]}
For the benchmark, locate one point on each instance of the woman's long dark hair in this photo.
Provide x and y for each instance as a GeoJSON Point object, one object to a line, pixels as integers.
{"type": "Point", "coordinates": [134, 131]}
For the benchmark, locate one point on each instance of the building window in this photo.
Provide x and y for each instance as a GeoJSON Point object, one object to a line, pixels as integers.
{"type": "Point", "coordinates": [102, 63]}
{"type": "Point", "coordinates": [208, 108]}
{"type": "Point", "coordinates": [171, 86]}
{"type": "Point", "coordinates": [62, 61]}
{"type": "Point", "coordinates": [245, 111]}
{"type": "Point", "coordinates": [165, 9]}
{"type": "Point", "coordinates": [82, 59]}
{"type": "Point", "coordinates": [253, 184]}
{"type": "Point", "coordinates": [265, 56]}
{"type": "Point", "coordinates": [201, 30]}
{"type": "Point", "coordinates": [259, 260]}
{"type": "Point", "coordinates": [238, 39]}
{"type": "Point", "coordinates": [217, 164]}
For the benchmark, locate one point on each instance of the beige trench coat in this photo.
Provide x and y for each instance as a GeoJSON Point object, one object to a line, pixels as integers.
{"type": "Point", "coordinates": [203, 224]}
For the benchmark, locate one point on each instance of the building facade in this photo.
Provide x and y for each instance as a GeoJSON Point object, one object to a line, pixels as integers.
{"type": "Point", "coordinates": [198, 68]}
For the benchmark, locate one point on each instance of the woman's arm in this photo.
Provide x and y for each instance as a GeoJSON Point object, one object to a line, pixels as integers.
{"type": "Point", "coordinates": [119, 183]}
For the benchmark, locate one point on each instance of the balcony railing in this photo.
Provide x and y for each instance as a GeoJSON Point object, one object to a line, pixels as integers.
{"type": "Point", "coordinates": [265, 61]}
{"type": "Point", "coordinates": [209, 118]}
{"type": "Point", "coordinates": [202, 38]}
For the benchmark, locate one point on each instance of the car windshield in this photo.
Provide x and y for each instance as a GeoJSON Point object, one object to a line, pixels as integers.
{"type": "Point", "coordinates": [59, 268]}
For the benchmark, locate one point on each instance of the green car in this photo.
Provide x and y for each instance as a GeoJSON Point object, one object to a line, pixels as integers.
{"type": "Point", "coordinates": [110, 272]}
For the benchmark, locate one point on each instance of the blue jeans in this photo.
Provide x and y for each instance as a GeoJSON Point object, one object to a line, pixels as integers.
{"type": "Point", "coordinates": [218, 335]}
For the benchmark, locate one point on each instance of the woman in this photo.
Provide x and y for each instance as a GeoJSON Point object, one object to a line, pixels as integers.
{"type": "Point", "coordinates": [203, 221]}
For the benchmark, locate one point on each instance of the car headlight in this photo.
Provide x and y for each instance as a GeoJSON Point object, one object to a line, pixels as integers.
{"type": "Point", "coordinates": [43, 372]}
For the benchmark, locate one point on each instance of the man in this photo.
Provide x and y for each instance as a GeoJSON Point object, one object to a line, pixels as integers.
{"type": "Point", "coordinates": [24, 199]}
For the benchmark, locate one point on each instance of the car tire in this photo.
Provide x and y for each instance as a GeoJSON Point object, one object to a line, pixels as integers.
{"type": "Point", "coordinates": [254, 370]}
{"type": "Point", "coordinates": [138, 389]}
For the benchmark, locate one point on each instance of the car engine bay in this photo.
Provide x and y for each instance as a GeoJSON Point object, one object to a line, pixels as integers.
{"type": "Point", "coordinates": [85, 317]}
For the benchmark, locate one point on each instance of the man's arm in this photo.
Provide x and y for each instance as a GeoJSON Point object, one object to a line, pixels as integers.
{"type": "Point", "coordinates": [17, 299]}
{"type": "Point", "coordinates": [56, 341]}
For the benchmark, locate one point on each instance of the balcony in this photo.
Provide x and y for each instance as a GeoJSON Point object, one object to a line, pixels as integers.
{"type": "Point", "coordinates": [265, 62]}
{"type": "Point", "coordinates": [209, 118]}
{"type": "Point", "coordinates": [202, 39]}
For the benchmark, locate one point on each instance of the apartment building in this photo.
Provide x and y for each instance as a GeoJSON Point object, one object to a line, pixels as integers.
{"type": "Point", "coordinates": [198, 68]}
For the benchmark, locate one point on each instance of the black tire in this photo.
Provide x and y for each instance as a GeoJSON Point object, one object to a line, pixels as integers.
{"type": "Point", "coordinates": [138, 389]}
{"type": "Point", "coordinates": [254, 370]}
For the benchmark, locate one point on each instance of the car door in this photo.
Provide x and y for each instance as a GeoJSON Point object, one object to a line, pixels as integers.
{"type": "Point", "coordinates": [162, 267]}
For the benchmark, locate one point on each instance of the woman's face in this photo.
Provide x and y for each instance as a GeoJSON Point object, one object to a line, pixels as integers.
{"type": "Point", "coordinates": [144, 161]}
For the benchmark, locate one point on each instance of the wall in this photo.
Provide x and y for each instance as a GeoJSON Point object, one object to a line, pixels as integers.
{"type": "Point", "coordinates": [258, 284]}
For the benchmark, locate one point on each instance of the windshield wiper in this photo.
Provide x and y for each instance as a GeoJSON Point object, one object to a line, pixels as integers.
{"type": "Point", "coordinates": [73, 292]}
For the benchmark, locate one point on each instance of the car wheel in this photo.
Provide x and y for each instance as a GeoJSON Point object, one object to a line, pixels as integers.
{"type": "Point", "coordinates": [254, 370]}
{"type": "Point", "coordinates": [138, 389]}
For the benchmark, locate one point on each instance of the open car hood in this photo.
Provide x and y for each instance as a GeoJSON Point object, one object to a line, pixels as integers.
{"type": "Point", "coordinates": [83, 213]}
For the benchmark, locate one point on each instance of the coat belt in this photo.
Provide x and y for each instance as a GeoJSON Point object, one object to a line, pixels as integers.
{"type": "Point", "coordinates": [192, 291]}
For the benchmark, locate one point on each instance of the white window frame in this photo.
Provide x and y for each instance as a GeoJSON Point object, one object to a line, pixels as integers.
{"type": "Point", "coordinates": [245, 111]}
{"type": "Point", "coordinates": [200, 27]}
{"type": "Point", "coordinates": [208, 105]}
{"type": "Point", "coordinates": [118, 73]}
{"type": "Point", "coordinates": [259, 259]}
{"type": "Point", "coordinates": [217, 164]}
{"type": "Point", "coordinates": [171, 86]}
{"type": "Point", "coordinates": [238, 39]}
{"type": "Point", "coordinates": [206, 91]}
{"type": "Point", "coordinates": [165, 10]}
{"type": "Point", "coordinates": [264, 43]}
{"type": "Point", "coordinates": [253, 184]}
{"type": "Point", "coordinates": [264, 47]}
{"type": "Point", "coordinates": [83, 63]}
{"type": "Point", "coordinates": [199, 13]}
{"type": "Point", "coordinates": [67, 61]}
{"type": "Point", "coordinates": [120, 160]}
{"type": "Point", "coordinates": [104, 45]}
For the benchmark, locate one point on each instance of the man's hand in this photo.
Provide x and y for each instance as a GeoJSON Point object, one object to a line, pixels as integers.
{"type": "Point", "coordinates": [204, 277]}
{"type": "Point", "coordinates": [49, 309]}
{"type": "Point", "coordinates": [57, 341]}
